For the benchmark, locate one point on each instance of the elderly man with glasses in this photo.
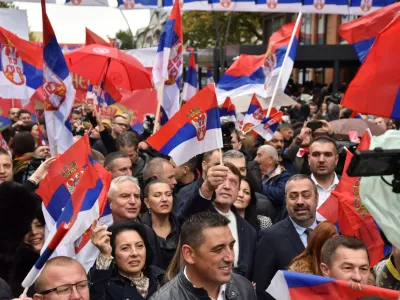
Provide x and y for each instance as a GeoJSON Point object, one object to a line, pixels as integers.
{"type": "Point", "coordinates": [62, 278]}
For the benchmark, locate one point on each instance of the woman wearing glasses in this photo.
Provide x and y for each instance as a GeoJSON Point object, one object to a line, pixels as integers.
{"type": "Point", "coordinates": [122, 269]}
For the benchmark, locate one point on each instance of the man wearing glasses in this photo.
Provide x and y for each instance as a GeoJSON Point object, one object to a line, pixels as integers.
{"type": "Point", "coordinates": [62, 278]}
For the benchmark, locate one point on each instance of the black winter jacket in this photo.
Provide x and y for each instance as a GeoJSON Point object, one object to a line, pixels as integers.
{"type": "Point", "coordinates": [238, 288]}
{"type": "Point", "coordinates": [5, 291]}
{"type": "Point", "coordinates": [110, 285]}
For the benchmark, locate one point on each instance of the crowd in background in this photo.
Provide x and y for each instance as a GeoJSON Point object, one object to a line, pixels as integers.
{"type": "Point", "coordinates": [201, 229]}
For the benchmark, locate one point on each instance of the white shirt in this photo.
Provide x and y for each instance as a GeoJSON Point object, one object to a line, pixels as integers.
{"type": "Point", "coordinates": [222, 288]}
{"type": "Point", "coordinates": [323, 193]}
{"type": "Point", "coordinates": [233, 227]}
{"type": "Point", "coordinates": [302, 231]}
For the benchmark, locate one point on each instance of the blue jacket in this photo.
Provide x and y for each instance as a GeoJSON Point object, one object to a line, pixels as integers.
{"type": "Point", "coordinates": [246, 233]}
{"type": "Point", "coordinates": [274, 189]}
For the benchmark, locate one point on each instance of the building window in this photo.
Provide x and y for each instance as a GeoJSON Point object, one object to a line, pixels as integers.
{"type": "Point", "coordinates": [306, 29]}
{"type": "Point", "coordinates": [321, 33]}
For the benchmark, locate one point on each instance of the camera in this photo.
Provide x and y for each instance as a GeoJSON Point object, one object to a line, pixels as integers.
{"type": "Point", "coordinates": [377, 162]}
{"type": "Point", "coordinates": [227, 127]}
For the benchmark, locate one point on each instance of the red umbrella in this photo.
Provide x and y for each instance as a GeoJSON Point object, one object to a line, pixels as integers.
{"type": "Point", "coordinates": [108, 66]}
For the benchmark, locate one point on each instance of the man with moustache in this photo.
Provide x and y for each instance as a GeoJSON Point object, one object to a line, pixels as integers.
{"type": "Point", "coordinates": [283, 241]}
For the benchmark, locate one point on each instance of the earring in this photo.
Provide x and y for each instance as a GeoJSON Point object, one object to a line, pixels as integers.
{"type": "Point", "coordinates": [149, 210]}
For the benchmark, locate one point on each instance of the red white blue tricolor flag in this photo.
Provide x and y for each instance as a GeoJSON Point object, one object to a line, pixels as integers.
{"type": "Point", "coordinates": [268, 126]}
{"type": "Point", "coordinates": [168, 66]}
{"type": "Point", "coordinates": [363, 7]}
{"type": "Point", "coordinates": [227, 110]}
{"type": "Point", "coordinates": [298, 286]}
{"type": "Point", "coordinates": [258, 74]}
{"type": "Point", "coordinates": [190, 85]}
{"type": "Point", "coordinates": [362, 32]}
{"type": "Point", "coordinates": [210, 77]}
{"type": "Point", "coordinates": [326, 6]}
{"type": "Point", "coordinates": [194, 129]}
{"type": "Point", "coordinates": [59, 93]}
{"type": "Point", "coordinates": [21, 67]}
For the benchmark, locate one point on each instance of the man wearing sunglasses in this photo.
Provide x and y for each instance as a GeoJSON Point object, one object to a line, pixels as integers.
{"type": "Point", "coordinates": [62, 278]}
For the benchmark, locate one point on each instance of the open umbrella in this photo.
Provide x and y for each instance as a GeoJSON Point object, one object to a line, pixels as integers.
{"type": "Point", "coordinates": [342, 127]}
{"type": "Point", "coordinates": [109, 67]}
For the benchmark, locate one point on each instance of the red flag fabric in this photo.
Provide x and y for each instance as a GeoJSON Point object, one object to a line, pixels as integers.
{"type": "Point", "coordinates": [376, 87]}
{"type": "Point", "coordinates": [92, 38]}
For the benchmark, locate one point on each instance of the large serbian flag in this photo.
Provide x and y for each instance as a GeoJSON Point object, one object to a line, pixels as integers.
{"type": "Point", "coordinates": [21, 65]}
{"type": "Point", "coordinates": [298, 286]}
{"type": "Point", "coordinates": [193, 130]}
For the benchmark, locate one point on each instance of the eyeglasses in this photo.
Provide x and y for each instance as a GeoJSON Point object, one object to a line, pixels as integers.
{"type": "Point", "coordinates": [122, 125]}
{"type": "Point", "coordinates": [66, 289]}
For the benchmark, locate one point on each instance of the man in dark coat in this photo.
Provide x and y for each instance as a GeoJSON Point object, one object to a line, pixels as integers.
{"type": "Point", "coordinates": [207, 250]}
{"type": "Point", "coordinates": [280, 243]}
{"type": "Point", "coordinates": [217, 194]}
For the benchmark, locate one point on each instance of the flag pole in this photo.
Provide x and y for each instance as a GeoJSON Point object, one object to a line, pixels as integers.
{"type": "Point", "coordinates": [160, 97]}
{"type": "Point", "coordinates": [283, 65]}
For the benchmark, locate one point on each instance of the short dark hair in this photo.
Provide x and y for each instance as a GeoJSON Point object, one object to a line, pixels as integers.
{"type": "Point", "coordinates": [128, 139]}
{"type": "Point", "coordinates": [151, 182]}
{"type": "Point", "coordinates": [191, 164]}
{"type": "Point", "coordinates": [285, 126]}
{"type": "Point", "coordinates": [192, 229]}
{"type": "Point", "coordinates": [23, 143]}
{"type": "Point", "coordinates": [330, 247]}
{"type": "Point", "coordinates": [4, 152]}
{"type": "Point", "coordinates": [132, 225]}
{"type": "Point", "coordinates": [207, 155]}
{"type": "Point", "coordinates": [109, 159]}
{"type": "Point", "coordinates": [324, 139]}
{"type": "Point", "coordinates": [298, 177]}
{"type": "Point", "coordinates": [23, 111]}
{"type": "Point", "coordinates": [154, 166]}
{"type": "Point", "coordinates": [76, 112]}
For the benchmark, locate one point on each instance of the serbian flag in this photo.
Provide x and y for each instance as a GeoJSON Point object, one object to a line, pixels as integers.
{"type": "Point", "coordinates": [193, 130]}
{"type": "Point", "coordinates": [190, 85]}
{"type": "Point", "coordinates": [380, 74]}
{"type": "Point", "coordinates": [21, 67]}
{"type": "Point", "coordinates": [210, 77]}
{"type": "Point", "coordinates": [227, 110]}
{"type": "Point", "coordinates": [363, 7]}
{"type": "Point", "coordinates": [80, 211]}
{"type": "Point", "coordinates": [268, 126]}
{"type": "Point", "coordinates": [298, 286]}
{"type": "Point", "coordinates": [59, 93]}
{"type": "Point", "coordinates": [255, 114]}
{"type": "Point", "coordinates": [168, 66]}
{"type": "Point", "coordinates": [258, 74]}
{"type": "Point", "coordinates": [135, 4]}
{"type": "Point", "coordinates": [325, 7]}
{"type": "Point", "coordinates": [345, 207]}
{"type": "Point", "coordinates": [92, 38]}
{"type": "Point", "coordinates": [362, 32]}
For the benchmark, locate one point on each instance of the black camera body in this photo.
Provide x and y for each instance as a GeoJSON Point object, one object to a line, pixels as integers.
{"type": "Point", "coordinates": [227, 127]}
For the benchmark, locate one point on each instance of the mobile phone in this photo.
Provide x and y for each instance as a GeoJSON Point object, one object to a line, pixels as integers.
{"type": "Point", "coordinates": [314, 125]}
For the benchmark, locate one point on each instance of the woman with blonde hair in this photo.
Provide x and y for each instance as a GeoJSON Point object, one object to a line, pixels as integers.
{"type": "Point", "coordinates": [309, 260]}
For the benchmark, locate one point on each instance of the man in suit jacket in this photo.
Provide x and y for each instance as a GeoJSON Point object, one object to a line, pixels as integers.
{"type": "Point", "coordinates": [217, 194]}
{"type": "Point", "coordinates": [280, 243]}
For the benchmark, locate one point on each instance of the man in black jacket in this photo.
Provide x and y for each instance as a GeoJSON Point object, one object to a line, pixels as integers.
{"type": "Point", "coordinates": [217, 194]}
{"type": "Point", "coordinates": [282, 242]}
{"type": "Point", "coordinates": [207, 249]}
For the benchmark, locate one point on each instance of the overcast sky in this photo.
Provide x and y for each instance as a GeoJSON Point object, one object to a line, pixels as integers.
{"type": "Point", "coordinates": [69, 22]}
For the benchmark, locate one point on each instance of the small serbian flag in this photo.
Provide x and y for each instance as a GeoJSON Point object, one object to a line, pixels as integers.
{"type": "Point", "coordinates": [255, 114]}
{"type": "Point", "coordinates": [21, 70]}
{"type": "Point", "coordinates": [380, 73]}
{"type": "Point", "coordinates": [168, 65]}
{"type": "Point", "coordinates": [363, 7]}
{"type": "Point", "coordinates": [298, 286]}
{"type": "Point", "coordinates": [362, 32]}
{"type": "Point", "coordinates": [268, 126]}
{"type": "Point", "coordinates": [325, 7]}
{"type": "Point", "coordinates": [191, 82]}
{"type": "Point", "coordinates": [59, 93]}
{"type": "Point", "coordinates": [227, 110]}
{"type": "Point", "coordinates": [193, 130]}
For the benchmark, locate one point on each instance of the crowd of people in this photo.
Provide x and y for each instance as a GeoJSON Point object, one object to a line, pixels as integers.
{"type": "Point", "coordinates": [201, 230]}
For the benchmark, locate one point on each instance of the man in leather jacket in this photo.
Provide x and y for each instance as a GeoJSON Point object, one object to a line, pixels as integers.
{"type": "Point", "coordinates": [207, 251]}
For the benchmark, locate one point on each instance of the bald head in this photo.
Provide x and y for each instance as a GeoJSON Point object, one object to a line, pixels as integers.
{"type": "Point", "coordinates": [269, 151]}
{"type": "Point", "coordinates": [60, 271]}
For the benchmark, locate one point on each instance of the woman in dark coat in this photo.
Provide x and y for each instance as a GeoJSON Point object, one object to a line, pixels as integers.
{"type": "Point", "coordinates": [122, 269]}
{"type": "Point", "coordinates": [158, 199]}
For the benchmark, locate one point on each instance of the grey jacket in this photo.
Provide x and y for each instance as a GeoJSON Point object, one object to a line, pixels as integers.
{"type": "Point", "coordinates": [238, 288]}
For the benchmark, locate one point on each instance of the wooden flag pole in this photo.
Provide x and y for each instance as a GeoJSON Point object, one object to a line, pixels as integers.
{"type": "Point", "coordinates": [283, 65]}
